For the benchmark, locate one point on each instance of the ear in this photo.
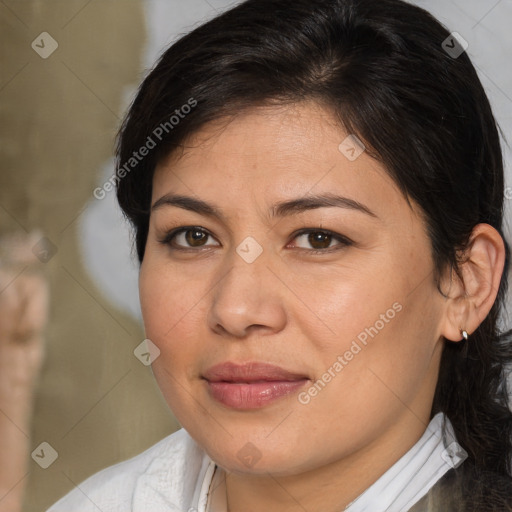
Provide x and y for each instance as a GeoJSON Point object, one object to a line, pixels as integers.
{"type": "Point", "coordinates": [470, 299]}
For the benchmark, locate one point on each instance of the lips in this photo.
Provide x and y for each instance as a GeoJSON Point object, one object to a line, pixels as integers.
{"type": "Point", "coordinates": [249, 372]}
{"type": "Point", "coordinates": [251, 385]}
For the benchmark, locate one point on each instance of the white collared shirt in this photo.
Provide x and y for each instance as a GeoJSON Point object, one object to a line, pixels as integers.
{"type": "Point", "coordinates": [175, 475]}
{"type": "Point", "coordinates": [400, 487]}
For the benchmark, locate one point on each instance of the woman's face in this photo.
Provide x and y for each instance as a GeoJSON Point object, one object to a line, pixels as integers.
{"type": "Point", "coordinates": [354, 328]}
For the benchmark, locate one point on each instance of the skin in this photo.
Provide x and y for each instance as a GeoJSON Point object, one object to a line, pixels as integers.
{"type": "Point", "coordinates": [300, 310]}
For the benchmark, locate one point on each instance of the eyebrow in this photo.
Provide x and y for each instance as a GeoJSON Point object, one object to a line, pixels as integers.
{"type": "Point", "coordinates": [281, 209]}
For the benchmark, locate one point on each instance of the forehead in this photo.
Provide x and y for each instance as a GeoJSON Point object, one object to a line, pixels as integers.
{"type": "Point", "coordinates": [286, 129]}
{"type": "Point", "coordinates": [275, 153]}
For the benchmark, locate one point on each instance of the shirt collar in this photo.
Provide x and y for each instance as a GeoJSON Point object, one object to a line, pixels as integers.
{"type": "Point", "coordinates": [400, 487]}
{"type": "Point", "coordinates": [412, 476]}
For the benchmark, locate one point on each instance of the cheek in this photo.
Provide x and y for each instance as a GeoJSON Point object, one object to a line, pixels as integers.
{"type": "Point", "coordinates": [170, 307]}
{"type": "Point", "coordinates": [379, 327]}
{"type": "Point", "coordinates": [398, 355]}
{"type": "Point", "coordinates": [167, 300]}
{"type": "Point", "coordinates": [346, 304]}
{"type": "Point", "coordinates": [174, 307]}
{"type": "Point", "coordinates": [368, 379]}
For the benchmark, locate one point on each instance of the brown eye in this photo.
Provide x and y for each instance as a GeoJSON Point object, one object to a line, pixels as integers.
{"type": "Point", "coordinates": [186, 238]}
{"type": "Point", "coordinates": [319, 239]}
{"type": "Point", "coordinates": [195, 237]}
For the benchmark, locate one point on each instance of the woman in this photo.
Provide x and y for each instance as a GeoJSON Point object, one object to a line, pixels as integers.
{"type": "Point", "coordinates": [317, 191]}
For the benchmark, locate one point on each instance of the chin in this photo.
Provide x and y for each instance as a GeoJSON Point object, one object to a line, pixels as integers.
{"type": "Point", "coordinates": [239, 454]}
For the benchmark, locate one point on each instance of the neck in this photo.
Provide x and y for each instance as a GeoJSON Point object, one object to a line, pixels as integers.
{"type": "Point", "coordinates": [331, 487]}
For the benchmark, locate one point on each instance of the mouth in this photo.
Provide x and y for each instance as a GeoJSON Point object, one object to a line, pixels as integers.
{"type": "Point", "coordinates": [251, 385]}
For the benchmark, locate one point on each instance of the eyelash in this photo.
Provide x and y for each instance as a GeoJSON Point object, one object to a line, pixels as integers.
{"type": "Point", "coordinates": [344, 241]}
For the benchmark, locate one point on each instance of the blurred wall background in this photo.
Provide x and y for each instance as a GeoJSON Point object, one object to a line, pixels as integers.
{"type": "Point", "coordinates": [96, 403]}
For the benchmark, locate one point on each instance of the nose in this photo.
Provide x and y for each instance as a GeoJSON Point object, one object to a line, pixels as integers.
{"type": "Point", "coordinates": [248, 298]}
